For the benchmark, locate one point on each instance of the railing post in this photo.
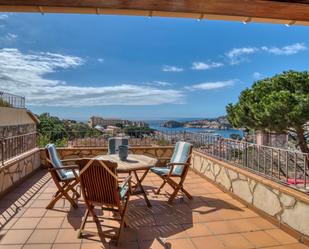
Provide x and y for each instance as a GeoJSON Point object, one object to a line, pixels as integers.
{"type": "Point", "coordinates": [2, 150]}
{"type": "Point", "coordinates": [247, 156]}
{"type": "Point", "coordinates": [305, 170]}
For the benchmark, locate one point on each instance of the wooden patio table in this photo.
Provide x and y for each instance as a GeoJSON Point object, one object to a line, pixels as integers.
{"type": "Point", "coordinates": [131, 165]}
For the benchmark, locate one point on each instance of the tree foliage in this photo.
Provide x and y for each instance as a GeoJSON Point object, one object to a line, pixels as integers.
{"type": "Point", "coordinates": [138, 132]}
{"type": "Point", "coordinates": [280, 104]}
{"type": "Point", "coordinates": [4, 103]}
{"type": "Point", "coordinates": [53, 130]}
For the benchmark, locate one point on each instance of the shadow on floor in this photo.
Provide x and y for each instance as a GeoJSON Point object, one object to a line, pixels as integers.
{"type": "Point", "coordinates": [154, 224]}
{"type": "Point", "coordinates": [12, 202]}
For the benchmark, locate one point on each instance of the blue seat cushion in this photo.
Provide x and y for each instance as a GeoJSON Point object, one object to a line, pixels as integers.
{"type": "Point", "coordinates": [56, 162]}
{"type": "Point", "coordinates": [180, 155]}
{"type": "Point", "coordinates": [69, 175]}
{"type": "Point", "coordinates": [123, 190]}
{"type": "Point", "coordinates": [164, 171]}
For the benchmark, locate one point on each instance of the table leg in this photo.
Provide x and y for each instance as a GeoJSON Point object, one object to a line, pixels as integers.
{"type": "Point", "coordinates": [139, 184]}
{"type": "Point", "coordinates": [130, 185]}
{"type": "Point", "coordinates": [141, 179]}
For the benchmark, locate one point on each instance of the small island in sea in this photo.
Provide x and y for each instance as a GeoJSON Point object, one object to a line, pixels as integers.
{"type": "Point", "coordinates": [220, 123]}
{"type": "Point", "coordinates": [173, 124]}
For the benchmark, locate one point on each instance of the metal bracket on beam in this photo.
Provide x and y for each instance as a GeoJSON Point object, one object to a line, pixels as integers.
{"type": "Point", "coordinates": [290, 23]}
{"type": "Point", "coordinates": [41, 10]}
{"type": "Point", "coordinates": [201, 17]}
{"type": "Point", "coordinates": [247, 20]}
{"type": "Point", "coordinates": [150, 14]}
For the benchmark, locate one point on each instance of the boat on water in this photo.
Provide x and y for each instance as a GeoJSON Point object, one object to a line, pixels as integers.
{"type": "Point", "coordinates": [208, 132]}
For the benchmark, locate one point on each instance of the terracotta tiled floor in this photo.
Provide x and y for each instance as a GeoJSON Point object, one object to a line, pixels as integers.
{"type": "Point", "coordinates": [212, 220]}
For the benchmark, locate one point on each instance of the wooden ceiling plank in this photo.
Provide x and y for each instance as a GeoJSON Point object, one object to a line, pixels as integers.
{"type": "Point", "coordinates": [259, 10]}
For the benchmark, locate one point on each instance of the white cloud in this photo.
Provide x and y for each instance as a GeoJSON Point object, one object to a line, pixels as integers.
{"type": "Point", "coordinates": [4, 16]}
{"type": "Point", "coordinates": [4, 19]}
{"type": "Point", "coordinates": [24, 74]}
{"type": "Point", "coordinates": [238, 55]}
{"type": "Point", "coordinates": [206, 65]}
{"type": "Point", "coordinates": [167, 68]}
{"type": "Point", "coordinates": [9, 37]}
{"type": "Point", "coordinates": [286, 50]}
{"type": "Point", "coordinates": [211, 85]}
{"type": "Point", "coordinates": [257, 75]}
{"type": "Point", "coordinates": [158, 83]}
{"type": "Point", "coordinates": [101, 60]}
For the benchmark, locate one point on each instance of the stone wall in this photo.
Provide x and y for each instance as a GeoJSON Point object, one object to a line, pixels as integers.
{"type": "Point", "coordinates": [285, 206]}
{"type": "Point", "coordinates": [163, 153]}
{"type": "Point", "coordinates": [16, 130]}
{"type": "Point", "coordinates": [13, 171]}
{"type": "Point", "coordinates": [15, 116]}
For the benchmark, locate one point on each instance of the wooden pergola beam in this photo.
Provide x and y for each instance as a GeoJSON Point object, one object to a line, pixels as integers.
{"type": "Point", "coordinates": [280, 11]}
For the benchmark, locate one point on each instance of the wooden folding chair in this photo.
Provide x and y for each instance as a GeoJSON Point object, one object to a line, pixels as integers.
{"type": "Point", "coordinates": [65, 177]}
{"type": "Point", "coordinates": [100, 187]}
{"type": "Point", "coordinates": [177, 168]}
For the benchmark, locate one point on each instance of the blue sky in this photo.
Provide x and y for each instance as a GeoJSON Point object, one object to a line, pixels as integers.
{"type": "Point", "coordinates": [75, 66]}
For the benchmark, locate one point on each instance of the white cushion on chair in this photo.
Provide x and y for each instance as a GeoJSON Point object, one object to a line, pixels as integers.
{"type": "Point", "coordinates": [180, 155]}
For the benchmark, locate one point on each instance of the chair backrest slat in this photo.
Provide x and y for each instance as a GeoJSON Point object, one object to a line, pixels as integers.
{"type": "Point", "coordinates": [181, 154]}
{"type": "Point", "coordinates": [98, 184]}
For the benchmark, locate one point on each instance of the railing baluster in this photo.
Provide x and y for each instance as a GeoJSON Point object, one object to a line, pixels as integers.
{"type": "Point", "coordinates": [258, 159]}
{"type": "Point", "coordinates": [271, 162]}
{"type": "Point", "coordinates": [12, 100]}
{"type": "Point", "coordinates": [287, 165]}
{"type": "Point", "coordinates": [305, 171]}
{"type": "Point", "coordinates": [295, 167]}
{"type": "Point", "coordinates": [278, 164]}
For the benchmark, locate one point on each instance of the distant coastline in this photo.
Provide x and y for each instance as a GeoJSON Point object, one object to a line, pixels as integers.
{"type": "Point", "coordinates": [220, 123]}
{"type": "Point", "coordinates": [226, 132]}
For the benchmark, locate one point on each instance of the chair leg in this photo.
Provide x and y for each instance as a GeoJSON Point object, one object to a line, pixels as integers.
{"type": "Point", "coordinates": [186, 193]}
{"type": "Point", "coordinates": [66, 191]}
{"type": "Point", "coordinates": [123, 221]}
{"type": "Point", "coordinates": [54, 200]}
{"type": "Point", "coordinates": [62, 191]}
{"type": "Point", "coordinates": [176, 188]}
{"type": "Point", "coordinates": [72, 188]}
{"type": "Point", "coordinates": [90, 208]}
{"type": "Point", "coordinates": [75, 193]}
{"type": "Point", "coordinates": [79, 235]}
{"type": "Point", "coordinates": [162, 185]}
{"type": "Point", "coordinates": [73, 203]}
{"type": "Point", "coordinates": [57, 193]}
{"type": "Point", "coordinates": [170, 200]}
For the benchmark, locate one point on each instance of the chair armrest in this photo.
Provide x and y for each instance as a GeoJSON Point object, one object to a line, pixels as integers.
{"type": "Point", "coordinates": [163, 158]}
{"type": "Point", "coordinates": [172, 164]}
{"type": "Point", "coordinates": [126, 181]}
{"type": "Point", "coordinates": [72, 167]}
{"type": "Point", "coordinates": [175, 164]}
{"type": "Point", "coordinates": [71, 160]}
{"type": "Point", "coordinates": [124, 187]}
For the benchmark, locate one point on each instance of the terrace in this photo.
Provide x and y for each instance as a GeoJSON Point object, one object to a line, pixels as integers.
{"type": "Point", "coordinates": [237, 203]}
{"type": "Point", "coordinates": [244, 195]}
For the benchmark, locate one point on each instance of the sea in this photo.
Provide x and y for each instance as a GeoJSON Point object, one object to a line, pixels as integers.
{"type": "Point", "coordinates": [158, 125]}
